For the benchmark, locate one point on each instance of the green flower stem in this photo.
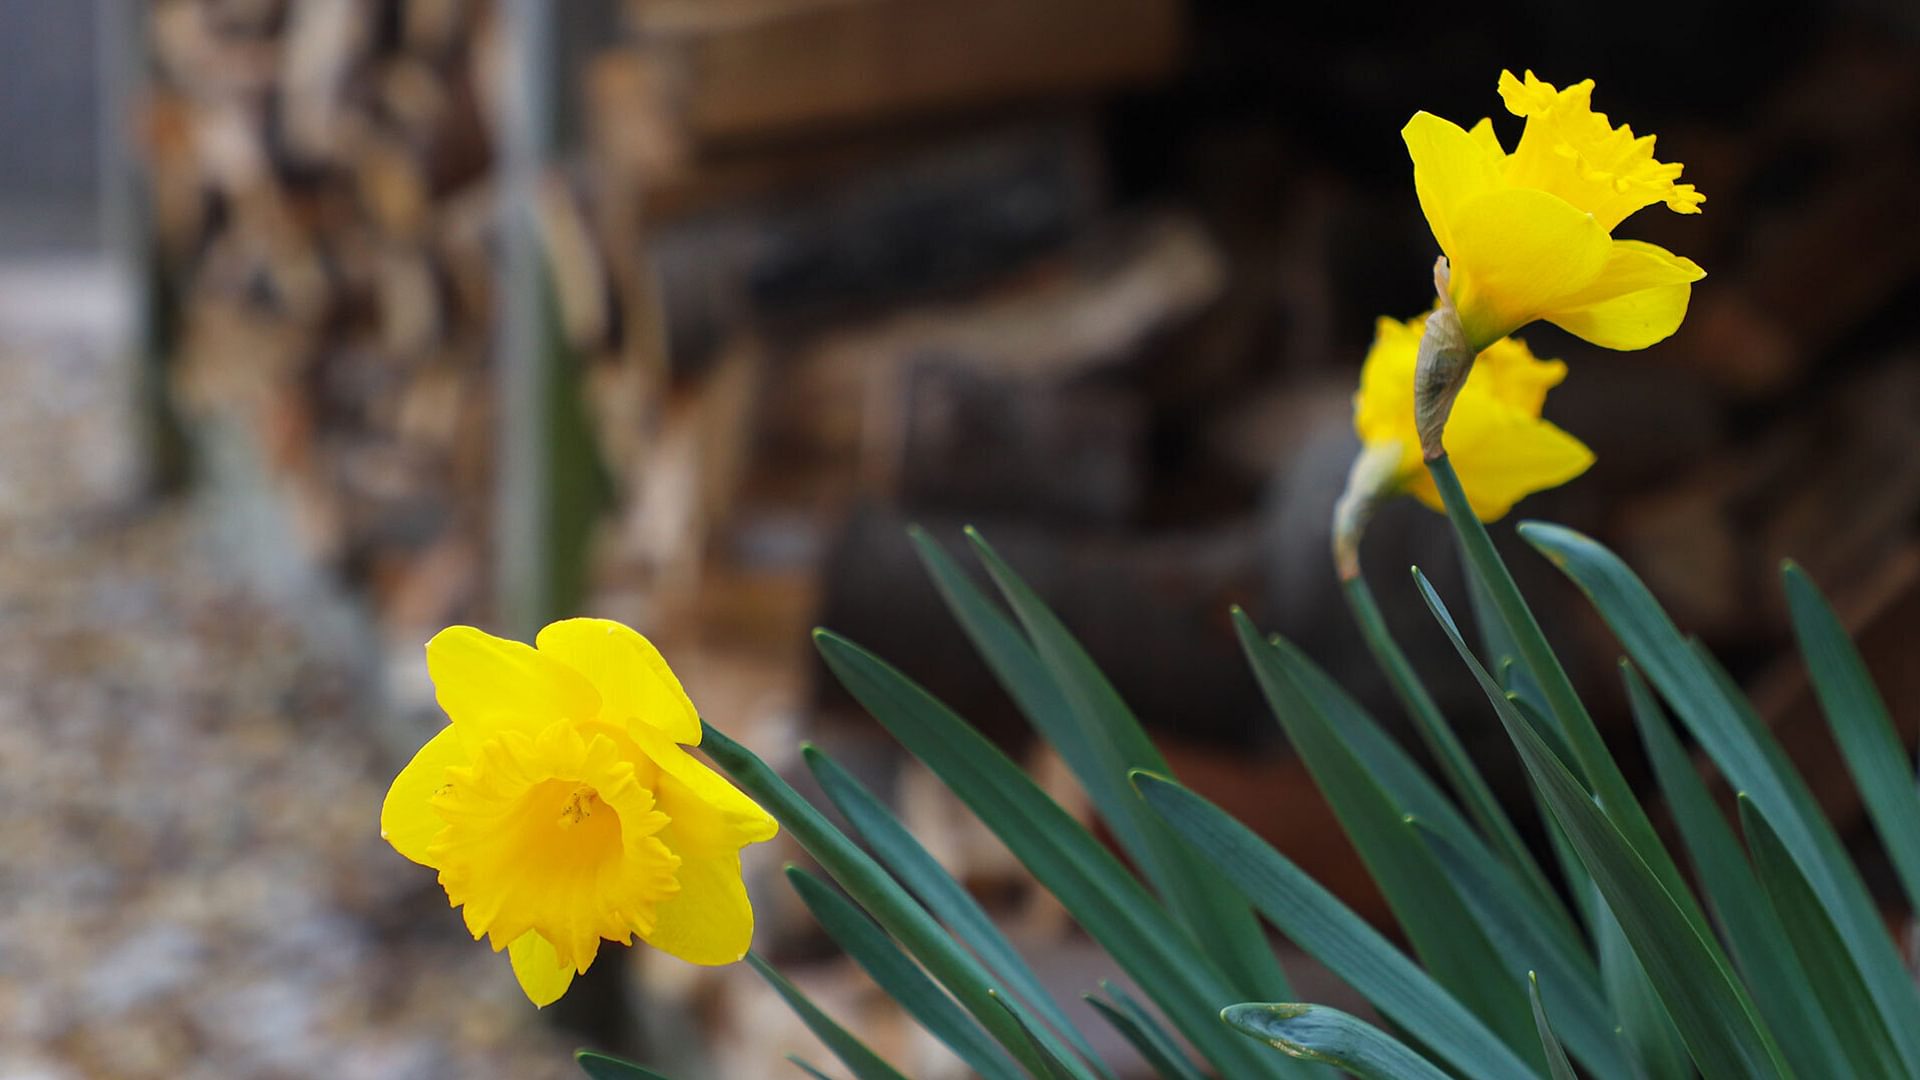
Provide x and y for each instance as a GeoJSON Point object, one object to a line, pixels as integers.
{"type": "Point", "coordinates": [1434, 730]}
{"type": "Point", "coordinates": [1595, 764]}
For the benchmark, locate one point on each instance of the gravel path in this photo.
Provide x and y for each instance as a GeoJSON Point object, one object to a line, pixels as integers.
{"type": "Point", "coordinates": [191, 880]}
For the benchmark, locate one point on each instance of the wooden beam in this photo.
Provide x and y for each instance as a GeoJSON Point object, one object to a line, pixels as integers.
{"type": "Point", "coordinates": [740, 69]}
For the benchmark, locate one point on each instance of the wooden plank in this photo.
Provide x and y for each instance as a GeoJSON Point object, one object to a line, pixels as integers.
{"type": "Point", "coordinates": [749, 69]}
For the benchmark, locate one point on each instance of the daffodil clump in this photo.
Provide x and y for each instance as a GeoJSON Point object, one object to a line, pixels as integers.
{"type": "Point", "coordinates": [562, 810]}
{"type": "Point", "coordinates": [1526, 235]}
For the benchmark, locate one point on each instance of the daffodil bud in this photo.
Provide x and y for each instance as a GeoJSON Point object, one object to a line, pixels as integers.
{"type": "Point", "coordinates": [1441, 368]}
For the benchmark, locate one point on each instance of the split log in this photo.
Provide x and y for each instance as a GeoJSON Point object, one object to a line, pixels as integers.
{"type": "Point", "coordinates": [738, 70]}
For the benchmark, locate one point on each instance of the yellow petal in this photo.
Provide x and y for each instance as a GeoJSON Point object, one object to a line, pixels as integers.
{"type": "Point", "coordinates": [709, 921]}
{"type": "Point", "coordinates": [1639, 297]}
{"type": "Point", "coordinates": [1383, 406]}
{"type": "Point", "coordinates": [1450, 166]}
{"type": "Point", "coordinates": [488, 684]}
{"type": "Point", "coordinates": [1517, 254]}
{"type": "Point", "coordinates": [1509, 372]}
{"type": "Point", "coordinates": [632, 677]}
{"type": "Point", "coordinates": [1502, 456]}
{"type": "Point", "coordinates": [407, 817]}
{"type": "Point", "coordinates": [1489, 141]}
{"type": "Point", "coordinates": [708, 813]}
{"type": "Point", "coordinates": [539, 970]}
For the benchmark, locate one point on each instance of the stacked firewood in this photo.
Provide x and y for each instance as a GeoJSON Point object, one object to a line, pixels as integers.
{"type": "Point", "coordinates": [819, 254]}
{"type": "Point", "coordinates": [321, 200]}
{"type": "Point", "coordinates": [325, 193]}
{"type": "Point", "coordinates": [324, 199]}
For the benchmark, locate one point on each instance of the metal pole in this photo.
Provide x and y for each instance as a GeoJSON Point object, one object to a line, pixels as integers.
{"type": "Point", "coordinates": [524, 584]}
{"type": "Point", "coordinates": [140, 334]}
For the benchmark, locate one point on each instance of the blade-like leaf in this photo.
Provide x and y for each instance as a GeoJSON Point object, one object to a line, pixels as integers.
{"type": "Point", "coordinates": [1754, 935]}
{"type": "Point", "coordinates": [1328, 931]}
{"type": "Point", "coordinates": [601, 1066]}
{"type": "Point", "coordinates": [1055, 1069]}
{"type": "Point", "coordinates": [1590, 760]}
{"type": "Point", "coordinates": [1751, 760]}
{"type": "Point", "coordinates": [1100, 740]}
{"type": "Point", "coordinates": [1434, 729]}
{"type": "Point", "coordinates": [900, 978]}
{"type": "Point", "coordinates": [1831, 975]}
{"type": "Point", "coordinates": [1881, 766]}
{"type": "Point", "coordinates": [1383, 759]}
{"type": "Point", "coordinates": [1157, 1048]}
{"type": "Point", "coordinates": [1526, 942]}
{"type": "Point", "coordinates": [1644, 1023]}
{"type": "Point", "coordinates": [1330, 1037]}
{"type": "Point", "coordinates": [1396, 772]}
{"type": "Point", "coordinates": [1706, 1002]}
{"type": "Point", "coordinates": [1090, 882]}
{"type": "Point", "coordinates": [854, 1054]}
{"type": "Point", "coordinates": [1444, 936]}
{"type": "Point", "coordinates": [871, 887]}
{"type": "Point", "coordinates": [807, 1067]}
{"type": "Point", "coordinates": [1501, 651]}
{"type": "Point", "coordinates": [946, 898]}
{"type": "Point", "coordinates": [1558, 1067]}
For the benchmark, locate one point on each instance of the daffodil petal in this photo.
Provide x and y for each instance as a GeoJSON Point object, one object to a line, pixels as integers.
{"type": "Point", "coordinates": [1509, 372]}
{"type": "Point", "coordinates": [1489, 141]}
{"type": "Point", "coordinates": [708, 814]}
{"type": "Point", "coordinates": [1639, 298]}
{"type": "Point", "coordinates": [632, 677]}
{"type": "Point", "coordinates": [1518, 254]}
{"type": "Point", "coordinates": [1450, 166]}
{"type": "Point", "coordinates": [1502, 456]}
{"type": "Point", "coordinates": [538, 968]}
{"type": "Point", "coordinates": [709, 921]}
{"type": "Point", "coordinates": [488, 685]}
{"type": "Point", "coordinates": [1383, 406]}
{"type": "Point", "coordinates": [407, 818]}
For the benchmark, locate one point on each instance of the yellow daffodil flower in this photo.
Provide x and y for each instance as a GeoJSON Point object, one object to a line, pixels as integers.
{"type": "Point", "coordinates": [1529, 233]}
{"type": "Point", "coordinates": [1499, 445]}
{"type": "Point", "coordinates": [561, 810]}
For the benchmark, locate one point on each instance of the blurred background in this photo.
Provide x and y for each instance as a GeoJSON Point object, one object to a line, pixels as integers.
{"type": "Point", "coordinates": [327, 323]}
